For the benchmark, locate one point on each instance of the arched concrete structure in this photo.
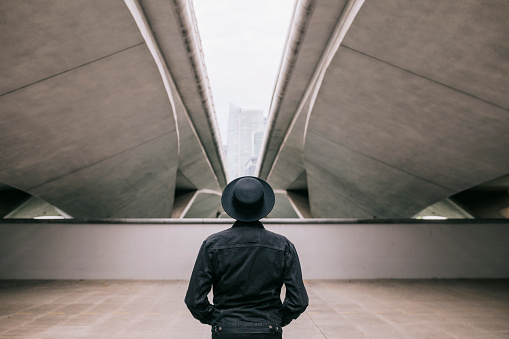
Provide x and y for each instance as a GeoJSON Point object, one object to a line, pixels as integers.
{"type": "Point", "coordinates": [105, 107]}
{"type": "Point", "coordinates": [383, 108]}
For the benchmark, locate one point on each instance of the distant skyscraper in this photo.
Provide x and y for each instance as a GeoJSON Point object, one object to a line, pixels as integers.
{"type": "Point", "coordinates": [245, 133]}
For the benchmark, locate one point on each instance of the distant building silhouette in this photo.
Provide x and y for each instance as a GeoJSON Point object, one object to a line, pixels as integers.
{"type": "Point", "coordinates": [245, 135]}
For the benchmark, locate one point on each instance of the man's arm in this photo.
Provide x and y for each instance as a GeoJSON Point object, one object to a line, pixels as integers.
{"type": "Point", "coordinates": [199, 287]}
{"type": "Point", "coordinates": [296, 298]}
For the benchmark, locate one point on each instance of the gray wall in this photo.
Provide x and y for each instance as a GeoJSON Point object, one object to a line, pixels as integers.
{"type": "Point", "coordinates": [166, 249]}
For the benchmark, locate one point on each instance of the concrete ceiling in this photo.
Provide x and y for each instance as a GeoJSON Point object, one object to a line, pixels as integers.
{"type": "Point", "coordinates": [380, 109]}
{"type": "Point", "coordinates": [105, 109]}
{"type": "Point", "coordinates": [383, 108]}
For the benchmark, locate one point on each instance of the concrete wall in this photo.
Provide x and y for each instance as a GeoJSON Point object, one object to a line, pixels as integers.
{"type": "Point", "coordinates": [166, 249]}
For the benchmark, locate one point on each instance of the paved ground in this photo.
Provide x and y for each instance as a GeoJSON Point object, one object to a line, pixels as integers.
{"type": "Point", "coordinates": [338, 309]}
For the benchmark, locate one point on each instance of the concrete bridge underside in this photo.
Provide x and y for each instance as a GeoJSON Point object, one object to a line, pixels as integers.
{"type": "Point", "coordinates": [383, 108]}
{"type": "Point", "coordinates": [106, 110]}
{"type": "Point", "coordinates": [380, 109]}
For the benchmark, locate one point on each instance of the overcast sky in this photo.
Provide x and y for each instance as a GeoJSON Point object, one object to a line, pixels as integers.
{"type": "Point", "coordinates": [243, 42]}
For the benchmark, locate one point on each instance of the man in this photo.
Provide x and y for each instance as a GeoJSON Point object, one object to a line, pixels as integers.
{"type": "Point", "coordinates": [247, 266]}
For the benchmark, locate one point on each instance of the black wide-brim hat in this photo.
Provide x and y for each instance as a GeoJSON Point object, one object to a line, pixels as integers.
{"type": "Point", "coordinates": [248, 199]}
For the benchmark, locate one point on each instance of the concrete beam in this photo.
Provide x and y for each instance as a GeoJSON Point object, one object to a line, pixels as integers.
{"type": "Point", "coordinates": [99, 114]}
{"type": "Point", "coordinates": [403, 106]}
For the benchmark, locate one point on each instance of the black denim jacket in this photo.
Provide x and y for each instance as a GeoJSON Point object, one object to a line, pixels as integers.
{"type": "Point", "coordinates": [247, 266]}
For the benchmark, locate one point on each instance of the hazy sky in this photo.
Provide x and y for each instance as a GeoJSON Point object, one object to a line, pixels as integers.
{"type": "Point", "coordinates": [243, 43]}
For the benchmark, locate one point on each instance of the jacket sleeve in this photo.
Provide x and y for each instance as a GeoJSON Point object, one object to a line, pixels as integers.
{"type": "Point", "coordinates": [199, 287]}
{"type": "Point", "coordinates": [296, 298]}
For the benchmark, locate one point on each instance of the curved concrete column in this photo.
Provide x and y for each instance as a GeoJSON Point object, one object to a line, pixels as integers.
{"type": "Point", "coordinates": [174, 21]}
{"type": "Point", "coordinates": [397, 106]}
{"type": "Point", "coordinates": [200, 203]}
{"type": "Point", "coordinates": [91, 131]}
{"type": "Point", "coordinates": [288, 91]}
{"type": "Point", "coordinates": [390, 133]}
{"type": "Point", "coordinates": [96, 101]}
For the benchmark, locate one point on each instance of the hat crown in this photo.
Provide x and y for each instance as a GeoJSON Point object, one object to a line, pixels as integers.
{"type": "Point", "coordinates": [248, 199]}
{"type": "Point", "coordinates": [248, 194]}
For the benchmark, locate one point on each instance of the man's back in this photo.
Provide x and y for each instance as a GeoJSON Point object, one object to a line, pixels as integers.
{"type": "Point", "coordinates": [247, 265]}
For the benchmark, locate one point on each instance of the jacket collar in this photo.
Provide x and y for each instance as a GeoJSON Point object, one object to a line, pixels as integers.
{"type": "Point", "coordinates": [255, 224]}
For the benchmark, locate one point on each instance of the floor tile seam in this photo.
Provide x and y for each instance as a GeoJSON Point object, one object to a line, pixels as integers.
{"type": "Point", "coordinates": [394, 325]}
{"type": "Point", "coordinates": [89, 313]}
{"type": "Point", "coordinates": [325, 301]}
{"type": "Point", "coordinates": [367, 333]}
{"type": "Point", "coordinates": [62, 304]}
{"type": "Point", "coordinates": [91, 307]}
{"type": "Point", "coordinates": [128, 328]}
{"type": "Point", "coordinates": [96, 323]}
{"type": "Point", "coordinates": [27, 325]}
{"type": "Point", "coordinates": [116, 304]}
{"type": "Point", "coordinates": [316, 325]}
{"type": "Point", "coordinates": [80, 316]}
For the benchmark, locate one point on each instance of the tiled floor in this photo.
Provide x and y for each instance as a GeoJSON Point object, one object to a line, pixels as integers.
{"type": "Point", "coordinates": [338, 309]}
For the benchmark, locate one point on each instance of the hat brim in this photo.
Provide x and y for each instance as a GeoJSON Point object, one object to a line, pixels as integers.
{"type": "Point", "coordinates": [268, 202]}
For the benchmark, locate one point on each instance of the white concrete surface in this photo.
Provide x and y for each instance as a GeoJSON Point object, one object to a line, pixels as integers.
{"type": "Point", "coordinates": [410, 108]}
{"type": "Point", "coordinates": [166, 249]}
{"type": "Point", "coordinates": [105, 107]}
